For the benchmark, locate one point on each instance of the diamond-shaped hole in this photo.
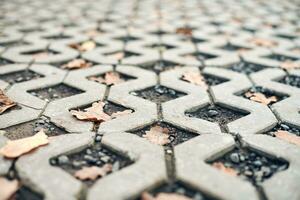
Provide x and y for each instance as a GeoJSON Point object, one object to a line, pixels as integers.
{"type": "Point", "coordinates": [232, 47]}
{"type": "Point", "coordinates": [5, 62]}
{"type": "Point", "coordinates": [201, 56]}
{"type": "Point", "coordinates": [57, 37]}
{"type": "Point", "coordinates": [30, 128]}
{"type": "Point", "coordinates": [179, 188]}
{"type": "Point", "coordinates": [40, 53]}
{"type": "Point", "coordinates": [252, 165]}
{"type": "Point", "coordinates": [284, 127]}
{"type": "Point", "coordinates": [55, 92]}
{"type": "Point", "coordinates": [198, 40]}
{"type": "Point", "coordinates": [286, 36]}
{"type": "Point", "coordinates": [269, 94]}
{"type": "Point", "coordinates": [281, 58]}
{"type": "Point", "coordinates": [291, 80]}
{"type": "Point", "coordinates": [25, 193]}
{"type": "Point", "coordinates": [213, 80]}
{"type": "Point", "coordinates": [160, 66]}
{"type": "Point", "coordinates": [246, 67]}
{"type": "Point", "coordinates": [159, 32]}
{"type": "Point", "coordinates": [20, 76]}
{"type": "Point", "coordinates": [161, 46]}
{"type": "Point", "coordinates": [127, 38]}
{"type": "Point", "coordinates": [95, 155]}
{"type": "Point", "coordinates": [13, 44]}
{"type": "Point", "coordinates": [176, 135]}
{"type": "Point", "coordinates": [123, 77]}
{"type": "Point", "coordinates": [217, 114]}
{"type": "Point", "coordinates": [121, 54]}
{"type": "Point", "coordinates": [158, 94]}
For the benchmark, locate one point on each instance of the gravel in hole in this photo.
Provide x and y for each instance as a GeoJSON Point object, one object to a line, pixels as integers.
{"type": "Point", "coordinates": [291, 80]}
{"type": "Point", "coordinates": [20, 76]}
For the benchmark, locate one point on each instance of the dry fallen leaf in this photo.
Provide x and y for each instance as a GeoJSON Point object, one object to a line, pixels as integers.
{"type": "Point", "coordinates": [195, 78]}
{"type": "Point", "coordinates": [289, 65]}
{"type": "Point", "coordinates": [121, 113]}
{"type": "Point", "coordinates": [184, 31]}
{"type": "Point", "coordinates": [77, 64]}
{"type": "Point", "coordinates": [110, 78]}
{"type": "Point", "coordinates": [158, 135]}
{"type": "Point", "coordinates": [227, 170]}
{"type": "Point", "coordinates": [287, 136]}
{"type": "Point", "coordinates": [16, 148]}
{"type": "Point", "coordinates": [261, 98]}
{"type": "Point", "coordinates": [164, 196]}
{"type": "Point", "coordinates": [117, 55]}
{"type": "Point", "coordinates": [5, 102]}
{"type": "Point", "coordinates": [8, 188]}
{"type": "Point", "coordinates": [85, 46]}
{"type": "Point", "coordinates": [94, 113]}
{"type": "Point", "coordinates": [92, 173]}
{"type": "Point", "coordinates": [263, 42]}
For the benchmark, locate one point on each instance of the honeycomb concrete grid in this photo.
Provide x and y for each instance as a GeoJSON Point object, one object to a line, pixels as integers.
{"type": "Point", "coordinates": [236, 46]}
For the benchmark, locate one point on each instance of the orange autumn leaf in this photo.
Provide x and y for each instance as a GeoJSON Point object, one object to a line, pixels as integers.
{"type": "Point", "coordinates": [94, 113]}
{"type": "Point", "coordinates": [8, 188]}
{"type": "Point", "coordinates": [121, 113]}
{"type": "Point", "coordinates": [158, 135]}
{"type": "Point", "coordinates": [77, 64]}
{"type": "Point", "coordinates": [263, 42]}
{"type": "Point", "coordinates": [164, 196]}
{"type": "Point", "coordinates": [195, 78]}
{"type": "Point", "coordinates": [287, 136]}
{"type": "Point", "coordinates": [184, 31]}
{"type": "Point", "coordinates": [85, 46]}
{"type": "Point", "coordinates": [261, 98]}
{"type": "Point", "coordinates": [110, 78]}
{"type": "Point", "coordinates": [92, 173]}
{"type": "Point", "coordinates": [227, 170]}
{"type": "Point", "coordinates": [289, 65]}
{"type": "Point", "coordinates": [5, 102]}
{"type": "Point", "coordinates": [16, 148]}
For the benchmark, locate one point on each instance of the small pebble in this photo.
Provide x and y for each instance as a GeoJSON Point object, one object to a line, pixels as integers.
{"type": "Point", "coordinates": [234, 157]}
{"type": "Point", "coordinates": [63, 160]}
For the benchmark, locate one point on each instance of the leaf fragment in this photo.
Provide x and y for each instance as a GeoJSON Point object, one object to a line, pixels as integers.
{"type": "Point", "coordinates": [289, 64]}
{"type": "Point", "coordinates": [263, 42]}
{"type": "Point", "coordinates": [77, 64]}
{"type": "Point", "coordinates": [158, 135]}
{"type": "Point", "coordinates": [92, 173]}
{"type": "Point", "coordinates": [227, 170]}
{"type": "Point", "coordinates": [121, 113]}
{"type": "Point", "coordinates": [16, 148]}
{"type": "Point", "coordinates": [261, 98]}
{"type": "Point", "coordinates": [8, 188]}
{"type": "Point", "coordinates": [5, 102]}
{"type": "Point", "coordinates": [85, 46]}
{"type": "Point", "coordinates": [164, 196]}
{"type": "Point", "coordinates": [110, 78]}
{"type": "Point", "coordinates": [117, 55]}
{"type": "Point", "coordinates": [95, 113]}
{"type": "Point", "coordinates": [184, 31]}
{"type": "Point", "coordinates": [287, 136]}
{"type": "Point", "coordinates": [195, 78]}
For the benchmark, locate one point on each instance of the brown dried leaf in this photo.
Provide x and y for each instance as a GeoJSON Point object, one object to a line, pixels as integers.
{"type": "Point", "coordinates": [289, 64]}
{"type": "Point", "coordinates": [5, 102]}
{"type": "Point", "coordinates": [227, 170]}
{"type": "Point", "coordinates": [158, 135]}
{"type": "Point", "coordinates": [195, 78]}
{"type": "Point", "coordinates": [164, 196]}
{"type": "Point", "coordinates": [94, 113]}
{"type": "Point", "coordinates": [16, 148]}
{"type": "Point", "coordinates": [92, 173]}
{"type": "Point", "coordinates": [8, 188]}
{"type": "Point", "coordinates": [263, 42]}
{"type": "Point", "coordinates": [261, 98]}
{"type": "Point", "coordinates": [121, 113]}
{"type": "Point", "coordinates": [289, 137]}
{"type": "Point", "coordinates": [184, 31]}
{"type": "Point", "coordinates": [77, 64]}
{"type": "Point", "coordinates": [110, 78]}
{"type": "Point", "coordinates": [85, 46]}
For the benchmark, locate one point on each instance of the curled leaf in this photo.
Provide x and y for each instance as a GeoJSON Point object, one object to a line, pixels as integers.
{"type": "Point", "coordinates": [8, 188]}
{"type": "Point", "coordinates": [77, 64]}
{"type": "Point", "coordinates": [261, 98]}
{"type": "Point", "coordinates": [158, 135]}
{"type": "Point", "coordinates": [5, 102]}
{"type": "Point", "coordinates": [110, 78]}
{"type": "Point", "coordinates": [195, 78]}
{"type": "Point", "coordinates": [92, 173]}
{"type": "Point", "coordinates": [287, 136]}
{"type": "Point", "coordinates": [16, 148]}
{"type": "Point", "coordinates": [94, 113]}
{"type": "Point", "coordinates": [227, 170]}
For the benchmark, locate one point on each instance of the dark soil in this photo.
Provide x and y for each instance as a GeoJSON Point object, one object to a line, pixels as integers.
{"type": "Point", "coordinates": [267, 92]}
{"type": "Point", "coordinates": [5, 62]}
{"type": "Point", "coordinates": [20, 76]}
{"type": "Point", "coordinates": [291, 80]}
{"type": "Point", "coordinates": [281, 58]}
{"type": "Point", "coordinates": [218, 114]}
{"type": "Point", "coordinates": [231, 47]}
{"type": "Point", "coordinates": [30, 128]}
{"type": "Point", "coordinates": [158, 94]}
{"type": "Point", "coordinates": [127, 38]}
{"type": "Point", "coordinates": [212, 80]}
{"type": "Point", "coordinates": [161, 46]}
{"type": "Point", "coordinates": [55, 92]}
{"type": "Point", "coordinates": [202, 56]}
{"type": "Point", "coordinates": [181, 189]}
{"type": "Point", "coordinates": [96, 155]}
{"type": "Point", "coordinates": [284, 127]}
{"type": "Point", "coordinates": [111, 108]}
{"type": "Point", "coordinates": [246, 68]}
{"type": "Point", "coordinates": [24, 193]}
{"type": "Point", "coordinates": [252, 165]}
{"type": "Point", "coordinates": [177, 136]}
